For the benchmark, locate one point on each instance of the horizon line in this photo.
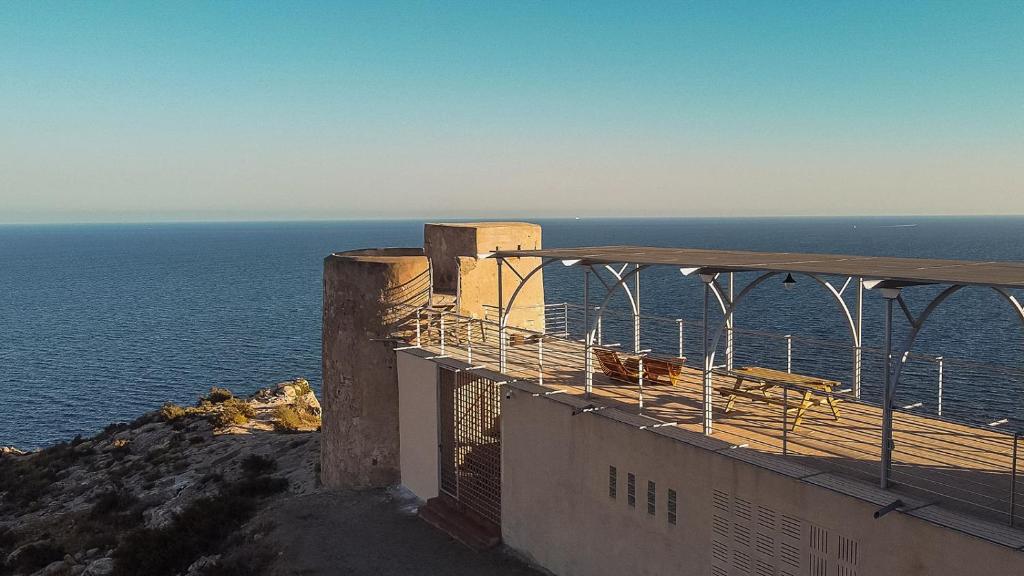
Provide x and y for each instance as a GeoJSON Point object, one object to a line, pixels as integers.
{"type": "Point", "coordinates": [289, 220]}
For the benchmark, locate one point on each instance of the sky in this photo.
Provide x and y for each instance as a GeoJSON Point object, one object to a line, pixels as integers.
{"type": "Point", "coordinates": [152, 111]}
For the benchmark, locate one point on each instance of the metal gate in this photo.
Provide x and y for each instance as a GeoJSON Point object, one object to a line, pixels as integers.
{"type": "Point", "coordinates": [469, 425]}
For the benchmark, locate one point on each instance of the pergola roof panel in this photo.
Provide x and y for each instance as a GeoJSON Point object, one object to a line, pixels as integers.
{"type": "Point", "coordinates": [911, 270]}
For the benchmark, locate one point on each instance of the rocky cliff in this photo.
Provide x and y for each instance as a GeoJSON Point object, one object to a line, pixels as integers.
{"type": "Point", "coordinates": [174, 492]}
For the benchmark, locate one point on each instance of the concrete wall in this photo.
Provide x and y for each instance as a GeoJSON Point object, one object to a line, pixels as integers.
{"type": "Point", "coordinates": [417, 412]}
{"type": "Point", "coordinates": [453, 250]}
{"type": "Point", "coordinates": [360, 443]}
{"type": "Point", "coordinates": [557, 509]}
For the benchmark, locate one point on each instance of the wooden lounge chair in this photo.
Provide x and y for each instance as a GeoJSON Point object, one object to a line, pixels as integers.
{"type": "Point", "coordinates": [614, 368]}
{"type": "Point", "coordinates": [663, 370]}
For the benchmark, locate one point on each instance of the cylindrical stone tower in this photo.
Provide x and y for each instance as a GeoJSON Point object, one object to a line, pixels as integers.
{"type": "Point", "coordinates": [365, 293]}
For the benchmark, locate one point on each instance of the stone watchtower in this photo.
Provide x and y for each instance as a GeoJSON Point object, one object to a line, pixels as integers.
{"type": "Point", "coordinates": [369, 292]}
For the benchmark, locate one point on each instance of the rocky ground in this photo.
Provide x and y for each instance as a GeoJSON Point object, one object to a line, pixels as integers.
{"type": "Point", "coordinates": [227, 487]}
{"type": "Point", "coordinates": [173, 492]}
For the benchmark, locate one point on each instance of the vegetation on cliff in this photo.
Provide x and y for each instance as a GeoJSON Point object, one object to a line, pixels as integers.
{"type": "Point", "coordinates": [173, 492]}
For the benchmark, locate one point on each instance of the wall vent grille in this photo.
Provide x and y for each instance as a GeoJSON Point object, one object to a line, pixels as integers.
{"type": "Point", "coordinates": [752, 540]}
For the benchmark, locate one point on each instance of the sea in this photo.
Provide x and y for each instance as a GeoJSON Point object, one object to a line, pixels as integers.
{"type": "Point", "coordinates": [99, 323]}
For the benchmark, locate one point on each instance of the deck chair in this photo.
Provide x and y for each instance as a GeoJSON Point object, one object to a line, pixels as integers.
{"type": "Point", "coordinates": [613, 367]}
{"type": "Point", "coordinates": [663, 370]}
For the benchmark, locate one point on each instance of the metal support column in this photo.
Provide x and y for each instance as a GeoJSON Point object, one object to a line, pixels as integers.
{"type": "Point", "coordinates": [729, 330]}
{"type": "Point", "coordinates": [886, 461]}
{"type": "Point", "coordinates": [707, 366]}
{"type": "Point", "coordinates": [636, 313]}
{"type": "Point", "coordinates": [588, 361]}
{"type": "Point", "coordinates": [858, 344]}
{"type": "Point", "coordinates": [502, 343]}
{"type": "Point", "coordinates": [939, 360]}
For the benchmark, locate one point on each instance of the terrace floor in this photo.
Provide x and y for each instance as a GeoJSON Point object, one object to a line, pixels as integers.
{"type": "Point", "coordinates": [956, 466]}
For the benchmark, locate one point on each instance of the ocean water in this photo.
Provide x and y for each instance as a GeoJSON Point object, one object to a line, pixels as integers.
{"type": "Point", "coordinates": [101, 322]}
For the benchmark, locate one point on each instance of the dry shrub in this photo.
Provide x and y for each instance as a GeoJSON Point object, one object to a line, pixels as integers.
{"type": "Point", "coordinates": [233, 412]}
{"type": "Point", "coordinates": [171, 412]}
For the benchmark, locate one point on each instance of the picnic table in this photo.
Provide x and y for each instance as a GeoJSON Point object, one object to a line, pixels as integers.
{"type": "Point", "coordinates": [758, 384]}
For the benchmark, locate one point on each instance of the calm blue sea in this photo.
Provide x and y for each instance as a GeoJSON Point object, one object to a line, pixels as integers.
{"type": "Point", "coordinates": [101, 322]}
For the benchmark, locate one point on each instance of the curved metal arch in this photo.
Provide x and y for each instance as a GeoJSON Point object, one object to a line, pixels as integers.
{"type": "Point", "coordinates": [713, 344]}
{"type": "Point", "coordinates": [503, 320]}
{"type": "Point", "coordinates": [591, 333]}
{"type": "Point", "coordinates": [629, 293]}
{"type": "Point", "coordinates": [1012, 300]}
{"type": "Point", "coordinates": [918, 323]}
{"type": "Point", "coordinates": [716, 289]}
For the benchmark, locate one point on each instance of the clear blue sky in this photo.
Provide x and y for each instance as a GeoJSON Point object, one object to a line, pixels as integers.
{"type": "Point", "coordinates": [224, 110]}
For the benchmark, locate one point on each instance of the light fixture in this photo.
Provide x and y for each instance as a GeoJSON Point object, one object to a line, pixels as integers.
{"type": "Point", "coordinates": [789, 282]}
{"type": "Point", "coordinates": [570, 262]}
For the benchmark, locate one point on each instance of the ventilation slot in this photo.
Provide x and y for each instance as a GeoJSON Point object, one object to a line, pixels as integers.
{"type": "Point", "coordinates": [818, 540]}
{"type": "Point", "coordinates": [819, 566]}
{"type": "Point", "coordinates": [631, 489]}
{"type": "Point", "coordinates": [766, 518]}
{"type": "Point", "coordinates": [790, 527]}
{"type": "Point", "coordinates": [741, 534]}
{"type": "Point", "coordinates": [741, 562]}
{"type": "Point", "coordinates": [790, 554]}
{"type": "Point", "coordinates": [720, 526]}
{"type": "Point", "coordinates": [765, 545]}
{"type": "Point", "coordinates": [720, 551]}
{"type": "Point", "coordinates": [671, 506]}
{"type": "Point", "coordinates": [765, 569]}
{"type": "Point", "coordinates": [613, 482]}
{"type": "Point", "coordinates": [651, 495]}
{"type": "Point", "coordinates": [847, 550]}
{"type": "Point", "coordinates": [721, 501]}
{"type": "Point", "coordinates": [741, 509]}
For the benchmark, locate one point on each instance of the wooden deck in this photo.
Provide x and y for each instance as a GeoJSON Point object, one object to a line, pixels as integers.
{"type": "Point", "coordinates": [957, 466]}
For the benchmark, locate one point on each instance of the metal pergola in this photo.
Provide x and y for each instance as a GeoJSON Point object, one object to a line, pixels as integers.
{"type": "Point", "coordinates": [884, 275]}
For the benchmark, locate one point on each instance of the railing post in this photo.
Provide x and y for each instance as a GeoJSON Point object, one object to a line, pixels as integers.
{"type": "Point", "coordinates": [469, 342]}
{"type": "Point", "coordinates": [600, 331]}
{"type": "Point", "coordinates": [789, 353]}
{"type": "Point", "coordinates": [857, 354]}
{"type": "Point", "coordinates": [442, 334]}
{"type": "Point", "coordinates": [418, 330]}
{"type": "Point", "coordinates": [680, 321]}
{"type": "Point", "coordinates": [1013, 481]}
{"type": "Point", "coordinates": [565, 316]}
{"type": "Point", "coordinates": [785, 420]}
{"type": "Point", "coordinates": [939, 360]}
{"type": "Point", "coordinates": [540, 360]}
{"type": "Point", "coordinates": [640, 381]}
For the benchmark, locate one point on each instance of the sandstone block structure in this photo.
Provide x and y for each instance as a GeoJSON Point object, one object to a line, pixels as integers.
{"type": "Point", "coordinates": [362, 293]}
{"type": "Point", "coordinates": [367, 294]}
{"type": "Point", "coordinates": [453, 251]}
